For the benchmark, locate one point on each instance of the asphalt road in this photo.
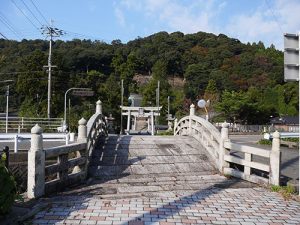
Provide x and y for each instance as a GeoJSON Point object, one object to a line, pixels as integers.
{"type": "Point", "coordinates": [26, 145]}
{"type": "Point", "coordinates": [289, 156]}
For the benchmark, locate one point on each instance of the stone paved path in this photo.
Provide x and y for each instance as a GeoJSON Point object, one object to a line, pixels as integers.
{"type": "Point", "coordinates": [228, 206]}
{"type": "Point", "coordinates": [141, 180]}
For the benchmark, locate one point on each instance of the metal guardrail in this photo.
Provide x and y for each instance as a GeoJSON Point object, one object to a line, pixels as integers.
{"type": "Point", "coordinates": [26, 123]}
{"type": "Point", "coordinates": [268, 136]}
{"type": "Point", "coordinates": [25, 137]}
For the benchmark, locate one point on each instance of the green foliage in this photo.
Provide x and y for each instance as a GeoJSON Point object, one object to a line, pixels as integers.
{"type": "Point", "coordinates": [248, 77]}
{"type": "Point", "coordinates": [286, 191]}
{"type": "Point", "coordinates": [291, 139]}
{"type": "Point", "coordinates": [166, 133]}
{"type": "Point", "coordinates": [7, 189]}
{"type": "Point", "coordinates": [264, 142]}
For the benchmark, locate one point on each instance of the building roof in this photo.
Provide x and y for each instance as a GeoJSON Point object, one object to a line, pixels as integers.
{"type": "Point", "coordinates": [287, 120]}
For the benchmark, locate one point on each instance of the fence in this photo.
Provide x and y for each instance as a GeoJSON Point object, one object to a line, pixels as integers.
{"type": "Point", "coordinates": [20, 138]}
{"type": "Point", "coordinates": [72, 160]}
{"type": "Point", "coordinates": [223, 151]}
{"type": "Point", "coordinates": [19, 124]}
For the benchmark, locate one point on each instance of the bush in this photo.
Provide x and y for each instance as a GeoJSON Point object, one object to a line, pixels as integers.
{"type": "Point", "coordinates": [166, 133]}
{"type": "Point", "coordinates": [291, 139]}
{"type": "Point", "coordinates": [7, 189]}
{"type": "Point", "coordinates": [265, 142]}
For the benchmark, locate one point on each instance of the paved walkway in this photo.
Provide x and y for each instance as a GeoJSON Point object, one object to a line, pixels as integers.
{"type": "Point", "coordinates": [228, 206]}
{"type": "Point", "coordinates": [143, 180]}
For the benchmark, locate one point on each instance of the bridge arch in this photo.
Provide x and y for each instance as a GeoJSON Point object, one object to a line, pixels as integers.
{"type": "Point", "coordinates": [203, 131]}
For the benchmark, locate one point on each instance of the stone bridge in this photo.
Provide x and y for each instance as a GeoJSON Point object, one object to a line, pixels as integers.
{"type": "Point", "coordinates": [162, 180]}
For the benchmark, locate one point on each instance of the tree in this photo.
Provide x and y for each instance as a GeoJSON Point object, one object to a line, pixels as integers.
{"type": "Point", "coordinates": [197, 76]}
{"type": "Point", "coordinates": [211, 94]}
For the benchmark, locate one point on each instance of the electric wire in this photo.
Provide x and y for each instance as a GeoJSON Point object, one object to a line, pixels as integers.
{"type": "Point", "coordinates": [31, 12]}
{"type": "Point", "coordinates": [8, 25]}
{"type": "Point", "coordinates": [16, 73]}
{"type": "Point", "coordinates": [29, 20]}
{"type": "Point", "coordinates": [274, 16]}
{"type": "Point", "coordinates": [3, 36]}
{"type": "Point", "coordinates": [37, 9]}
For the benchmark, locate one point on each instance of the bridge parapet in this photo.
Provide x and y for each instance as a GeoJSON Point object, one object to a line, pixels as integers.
{"type": "Point", "coordinates": [226, 154]}
{"type": "Point", "coordinates": [70, 161]}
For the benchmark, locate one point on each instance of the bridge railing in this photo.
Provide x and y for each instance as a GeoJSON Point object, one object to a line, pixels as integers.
{"type": "Point", "coordinates": [227, 155]}
{"type": "Point", "coordinates": [70, 161]}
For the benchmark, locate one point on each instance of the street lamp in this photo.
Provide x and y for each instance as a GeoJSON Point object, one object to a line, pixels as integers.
{"type": "Point", "coordinates": [7, 98]}
{"type": "Point", "coordinates": [65, 108]}
{"type": "Point", "coordinates": [204, 104]}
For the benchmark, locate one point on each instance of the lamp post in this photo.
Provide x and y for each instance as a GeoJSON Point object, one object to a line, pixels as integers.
{"type": "Point", "coordinates": [7, 99]}
{"type": "Point", "coordinates": [65, 107]}
{"type": "Point", "coordinates": [204, 104]}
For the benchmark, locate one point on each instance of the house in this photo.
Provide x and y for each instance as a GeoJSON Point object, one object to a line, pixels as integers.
{"type": "Point", "coordinates": [286, 123]}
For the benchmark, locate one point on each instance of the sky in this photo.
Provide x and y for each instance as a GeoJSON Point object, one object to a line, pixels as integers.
{"type": "Point", "coordinates": [107, 20]}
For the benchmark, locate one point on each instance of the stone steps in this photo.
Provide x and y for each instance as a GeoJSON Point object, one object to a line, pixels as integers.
{"type": "Point", "coordinates": [158, 166]}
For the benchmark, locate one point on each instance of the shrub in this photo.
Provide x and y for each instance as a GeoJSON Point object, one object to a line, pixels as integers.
{"type": "Point", "coordinates": [166, 133]}
{"type": "Point", "coordinates": [265, 142]}
{"type": "Point", "coordinates": [7, 189]}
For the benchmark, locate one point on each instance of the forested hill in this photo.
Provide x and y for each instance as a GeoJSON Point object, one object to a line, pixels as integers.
{"type": "Point", "coordinates": [215, 67]}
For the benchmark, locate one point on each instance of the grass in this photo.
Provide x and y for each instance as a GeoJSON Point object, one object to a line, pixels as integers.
{"type": "Point", "coordinates": [269, 142]}
{"type": "Point", "coordinates": [285, 191]}
{"type": "Point", "coordinates": [265, 142]}
{"type": "Point", "coordinates": [166, 133]}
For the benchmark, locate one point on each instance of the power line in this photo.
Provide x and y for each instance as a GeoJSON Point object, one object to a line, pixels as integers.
{"type": "Point", "coordinates": [31, 12]}
{"type": "Point", "coordinates": [16, 73]}
{"type": "Point", "coordinates": [6, 22]}
{"type": "Point", "coordinates": [3, 36]}
{"type": "Point", "coordinates": [273, 14]}
{"type": "Point", "coordinates": [37, 9]}
{"type": "Point", "coordinates": [24, 14]}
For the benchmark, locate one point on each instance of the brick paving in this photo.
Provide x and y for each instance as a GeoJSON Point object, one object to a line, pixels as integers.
{"type": "Point", "coordinates": [244, 206]}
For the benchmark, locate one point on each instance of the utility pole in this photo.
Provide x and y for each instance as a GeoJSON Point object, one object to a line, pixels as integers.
{"type": "Point", "coordinates": [157, 101]}
{"type": "Point", "coordinates": [51, 32]}
{"type": "Point", "coordinates": [122, 93]}
{"type": "Point", "coordinates": [7, 97]}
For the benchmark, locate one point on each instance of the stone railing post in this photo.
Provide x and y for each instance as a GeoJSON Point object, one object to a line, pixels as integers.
{"type": "Point", "coordinates": [192, 110]}
{"type": "Point", "coordinates": [275, 155]}
{"type": "Point", "coordinates": [36, 164]}
{"type": "Point", "coordinates": [99, 107]}
{"type": "Point", "coordinates": [192, 113]}
{"type": "Point", "coordinates": [82, 137]}
{"type": "Point", "coordinates": [223, 151]}
{"type": "Point", "coordinates": [175, 125]}
{"type": "Point", "coordinates": [82, 130]}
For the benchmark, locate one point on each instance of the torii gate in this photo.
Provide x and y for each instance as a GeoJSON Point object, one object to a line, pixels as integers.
{"type": "Point", "coordinates": [145, 112]}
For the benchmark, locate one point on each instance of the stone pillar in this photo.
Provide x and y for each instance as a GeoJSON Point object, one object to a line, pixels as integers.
{"type": "Point", "coordinates": [223, 151]}
{"type": "Point", "coordinates": [192, 110]}
{"type": "Point", "coordinates": [99, 107]}
{"type": "Point", "coordinates": [170, 125]}
{"type": "Point", "coordinates": [82, 130]}
{"type": "Point", "coordinates": [82, 137]}
{"type": "Point", "coordinates": [192, 113]}
{"type": "Point", "coordinates": [275, 155]}
{"type": "Point", "coordinates": [128, 121]}
{"type": "Point", "coordinates": [175, 125]}
{"type": "Point", "coordinates": [36, 164]}
{"type": "Point", "coordinates": [152, 123]}
{"type": "Point", "coordinates": [16, 143]}
{"type": "Point", "coordinates": [134, 126]}
{"type": "Point", "coordinates": [148, 122]}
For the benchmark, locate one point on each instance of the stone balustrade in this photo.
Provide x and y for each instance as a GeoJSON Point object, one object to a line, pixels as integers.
{"type": "Point", "coordinates": [71, 160]}
{"type": "Point", "coordinates": [221, 149]}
